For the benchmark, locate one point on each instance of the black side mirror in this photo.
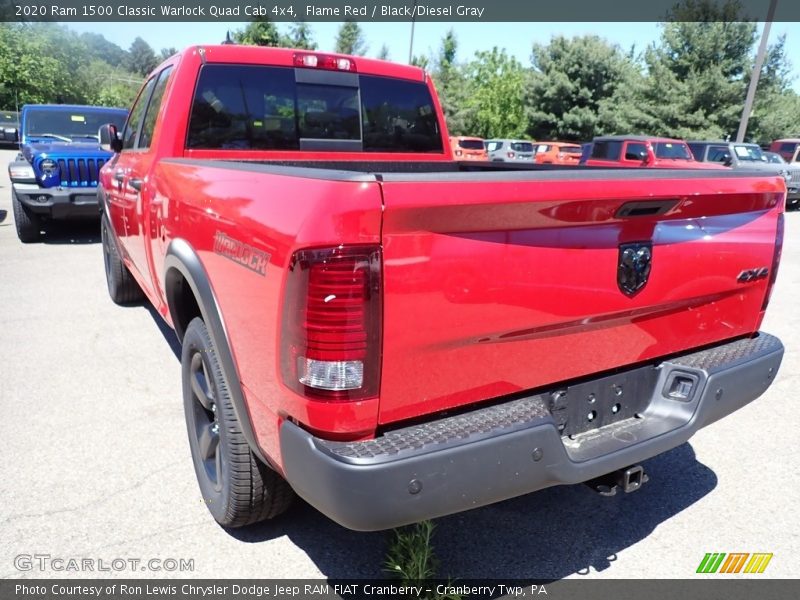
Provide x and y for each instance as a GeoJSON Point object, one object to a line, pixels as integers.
{"type": "Point", "coordinates": [109, 138]}
{"type": "Point", "coordinates": [727, 159]}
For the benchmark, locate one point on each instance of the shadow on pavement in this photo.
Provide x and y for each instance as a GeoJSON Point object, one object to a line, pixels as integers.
{"type": "Point", "coordinates": [169, 334]}
{"type": "Point", "coordinates": [72, 232]}
{"type": "Point", "coordinates": [542, 536]}
{"type": "Point", "coordinates": [546, 535]}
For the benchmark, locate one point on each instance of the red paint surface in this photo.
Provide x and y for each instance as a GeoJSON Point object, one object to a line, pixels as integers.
{"type": "Point", "coordinates": [489, 288]}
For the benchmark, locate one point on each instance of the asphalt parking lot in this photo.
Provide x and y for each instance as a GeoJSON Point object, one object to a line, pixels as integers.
{"type": "Point", "coordinates": [95, 461]}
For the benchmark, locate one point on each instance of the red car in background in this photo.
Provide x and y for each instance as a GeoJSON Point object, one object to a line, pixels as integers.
{"type": "Point", "coordinates": [468, 148]}
{"type": "Point", "coordinates": [558, 153]}
{"type": "Point", "coordinates": [643, 151]}
{"type": "Point", "coordinates": [787, 148]}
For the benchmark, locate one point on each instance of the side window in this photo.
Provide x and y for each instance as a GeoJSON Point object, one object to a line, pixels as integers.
{"type": "Point", "coordinates": [787, 147]}
{"type": "Point", "coordinates": [635, 151]}
{"type": "Point", "coordinates": [492, 146]}
{"type": "Point", "coordinates": [608, 150]}
{"type": "Point", "coordinates": [149, 124]}
{"type": "Point", "coordinates": [697, 151]}
{"type": "Point", "coordinates": [131, 130]}
{"type": "Point", "coordinates": [244, 108]}
{"type": "Point", "coordinates": [717, 153]}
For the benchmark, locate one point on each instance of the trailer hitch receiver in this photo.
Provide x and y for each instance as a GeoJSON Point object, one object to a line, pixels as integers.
{"type": "Point", "coordinates": [628, 480]}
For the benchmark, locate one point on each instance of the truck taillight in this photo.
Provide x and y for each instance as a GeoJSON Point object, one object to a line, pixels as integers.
{"type": "Point", "coordinates": [458, 153]}
{"type": "Point", "coordinates": [324, 61]}
{"type": "Point", "coordinates": [332, 322]}
{"type": "Point", "coordinates": [511, 155]}
{"type": "Point", "coordinates": [776, 260]}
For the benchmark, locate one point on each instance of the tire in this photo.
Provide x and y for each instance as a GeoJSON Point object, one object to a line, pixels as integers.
{"type": "Point", "coordinates": [237, 487]}
{"type": "Point", "coordinates": [122, 287]}
{"type": "Point", "coordinates": [29, 226]}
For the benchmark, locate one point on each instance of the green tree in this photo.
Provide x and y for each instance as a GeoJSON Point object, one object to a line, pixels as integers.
{"type": "Point", "coordinates": [383, 53]}
{"type": "Point", "coordinates": [28, 74]}
{"type": "Point", "coordinates": [167, 52]}
{"type": "Point", "coordinates": [46, 62]}
{"type": "Point", "coordinates": [300, 36]}
{"type": "Point", "coordinates": [259, 32]}
{"type": "Point", "coordinates": [421, 61]}
{"type": "Point", "coordinates": [496, 100]}
{"type": "Point", "coordinates": [350, 39]}
{"type": "Point", "coordinates": [451, 85]}
{"type": "Point", "coordinates": [580, 87]}
{"type": "Point", "coordinates": [107, 85]}
{"type": "Point", "coordinates": [141, 58]}
{"type": "Point", "coordinates": [99, 47]}
{"type": "Point", "coordinates": [777, 106]}
{"type": "Point", "coordinates": [698, 71]}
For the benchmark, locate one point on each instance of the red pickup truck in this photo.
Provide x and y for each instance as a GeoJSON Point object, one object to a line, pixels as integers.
{"type": "Point", "coordinates": [394, 335]}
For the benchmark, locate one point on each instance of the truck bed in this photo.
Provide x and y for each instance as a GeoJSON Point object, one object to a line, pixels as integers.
{"type": "Point", "coordinates": [497, 278]}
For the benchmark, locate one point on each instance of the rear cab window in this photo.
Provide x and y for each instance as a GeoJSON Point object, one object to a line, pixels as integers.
{"type": "Point", "coordinates": [255, 107]}
{"type": "Point", "coordinates": [471, 144]}
{"type": "Point", "coordinates": [522, 147]}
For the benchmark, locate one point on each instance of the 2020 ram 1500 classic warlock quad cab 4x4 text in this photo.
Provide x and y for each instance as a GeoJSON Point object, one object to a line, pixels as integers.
{"type": "Point", "coordinates": [394, 335]}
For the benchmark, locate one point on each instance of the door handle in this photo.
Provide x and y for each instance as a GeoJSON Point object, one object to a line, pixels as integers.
{"type": "Point", "coordinates": [135, 184]}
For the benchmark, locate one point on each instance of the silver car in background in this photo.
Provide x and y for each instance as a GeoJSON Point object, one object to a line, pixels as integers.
{"type": "Point", "coordinates": [740, 155]}
{"type": "Point", "coordinates": [509, 150]}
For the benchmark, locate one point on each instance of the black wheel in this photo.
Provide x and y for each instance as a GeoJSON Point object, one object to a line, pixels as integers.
{"type": "Point", "coordinates": [237, 488]}
{"type": "Point", "coordinates": [29, 226]}
{"type": "Point", "coordinates": [122, 287]}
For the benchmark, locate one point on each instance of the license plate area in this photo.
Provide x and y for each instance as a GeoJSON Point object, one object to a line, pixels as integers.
{"type": "Point", "coordinates": [586, 406]}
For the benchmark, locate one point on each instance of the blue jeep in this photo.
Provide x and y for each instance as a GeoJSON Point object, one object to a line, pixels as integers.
{"type": "Point", "coordinates": [55, 174]}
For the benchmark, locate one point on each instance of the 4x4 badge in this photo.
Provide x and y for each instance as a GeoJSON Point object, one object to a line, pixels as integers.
{"type": "Point", "coordinates": [633, 267]}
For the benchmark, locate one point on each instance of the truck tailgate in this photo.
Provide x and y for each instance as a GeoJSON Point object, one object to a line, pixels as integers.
{"type": "Point", "coordinates": [497, 283]}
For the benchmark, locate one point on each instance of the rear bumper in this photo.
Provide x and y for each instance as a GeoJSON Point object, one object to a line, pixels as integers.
{"type": "Point", "coordinates": [510, 449]}
{"type": "Point", "coordinates": [59, 203]}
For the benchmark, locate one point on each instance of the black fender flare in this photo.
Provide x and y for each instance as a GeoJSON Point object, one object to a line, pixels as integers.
{"type": "Point", "coordinates": [182, 259]}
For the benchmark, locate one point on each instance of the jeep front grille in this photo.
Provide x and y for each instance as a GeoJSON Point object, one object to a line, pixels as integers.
{"type": "Point", "coordinates": [79, 172]}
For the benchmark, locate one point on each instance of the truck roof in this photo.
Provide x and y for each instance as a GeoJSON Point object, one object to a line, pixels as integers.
{"type": "Point", "coordinates": [637, 138]}
{"type": "Point", "coordinates": [721, 142]}
{"type": "Point", "coordinates": [245, 54]}
{"type": "Point", "coordinates": [69, 107]}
